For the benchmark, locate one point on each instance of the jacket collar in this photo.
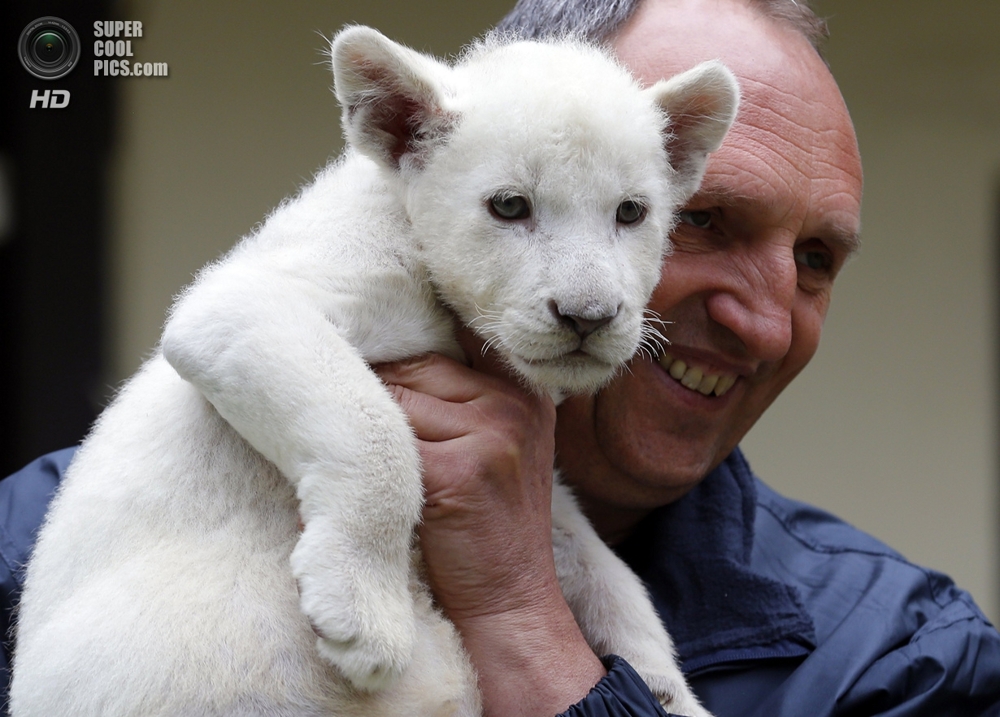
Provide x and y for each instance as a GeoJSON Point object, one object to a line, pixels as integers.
{"type": "Point", "coordinates": [694, 556]}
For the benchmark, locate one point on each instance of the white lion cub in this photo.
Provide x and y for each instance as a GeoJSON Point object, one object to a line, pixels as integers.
{"type": "Point", "coordinates": [529, 189]}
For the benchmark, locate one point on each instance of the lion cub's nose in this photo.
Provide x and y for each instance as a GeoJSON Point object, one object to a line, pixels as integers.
{"type": "Point", "coordinates": [584, 320]}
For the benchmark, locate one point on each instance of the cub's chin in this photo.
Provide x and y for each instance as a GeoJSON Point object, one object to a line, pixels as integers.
{"type": "Point", "coordinates": [575, 372]}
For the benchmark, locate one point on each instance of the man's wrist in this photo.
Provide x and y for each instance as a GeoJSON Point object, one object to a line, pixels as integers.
{"type": "Point", "coordinates": [530, 660]}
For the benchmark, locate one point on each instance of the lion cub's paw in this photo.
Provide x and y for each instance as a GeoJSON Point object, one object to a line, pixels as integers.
{"type": "Point", "coordinates": [683, 708]}
{"type": "Point", "coordinates": [366, 660]}
{"type": "Point", "coordinates": [363, 618]}
{"type": "Point", "coordinates": [674, 694]}
{"type": "Point", "coordinates": [371, 653]}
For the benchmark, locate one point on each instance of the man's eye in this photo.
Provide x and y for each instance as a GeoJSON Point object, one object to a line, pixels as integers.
{"type": "Point", "coordinates": [510, 208]}
{"type": "Point", "coordinates": [697, 219]}
{"type": "Point", "coordinates": [815, 260]}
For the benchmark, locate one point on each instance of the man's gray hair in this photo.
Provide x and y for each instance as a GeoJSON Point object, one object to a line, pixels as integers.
{"type": "Point", "coordinates": [598, 20]}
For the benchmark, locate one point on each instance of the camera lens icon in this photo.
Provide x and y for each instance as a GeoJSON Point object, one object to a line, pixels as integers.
{"type": "Point", "coordinates": [49, 48]}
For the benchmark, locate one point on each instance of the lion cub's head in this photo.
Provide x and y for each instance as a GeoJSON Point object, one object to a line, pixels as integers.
{"type": "Point", "coordinates": [541, 183]}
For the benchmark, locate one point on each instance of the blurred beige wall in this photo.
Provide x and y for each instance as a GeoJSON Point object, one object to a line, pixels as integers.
{"type": "Point", "coordinates": [893, 424]}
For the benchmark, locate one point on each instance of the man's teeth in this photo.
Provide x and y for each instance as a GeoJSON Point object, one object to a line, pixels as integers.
{"type": "Point", "coordinates": [696, 379]}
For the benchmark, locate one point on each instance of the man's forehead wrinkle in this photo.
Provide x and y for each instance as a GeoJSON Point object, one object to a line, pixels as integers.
{"type": "Point", "coordinates": [798, 104]}
{"type": "Point", "coordinates": [771, 128]}
{"type": "Point", "coordinates": [743, 177]}
{"type": "Point", "coordinates": [840, 181]}
{"type": "Point", "coordinates": [770, 147]}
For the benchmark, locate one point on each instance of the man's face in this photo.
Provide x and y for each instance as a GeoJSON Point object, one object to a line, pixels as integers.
{"type": "Point", "coordinates": [756, 252]}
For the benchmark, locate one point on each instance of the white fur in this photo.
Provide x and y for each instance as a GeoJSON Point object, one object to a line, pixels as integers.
{"type": "Point", "coordinates": [171, 577]}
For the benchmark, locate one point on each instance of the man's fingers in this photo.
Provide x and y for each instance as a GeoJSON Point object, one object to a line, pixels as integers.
{"type": "Point", "coordinates": [432, 418]}
{"type": "Point", "coordinates": [439, 395]}
{"type": "Point", "coordinates": [433, 374]}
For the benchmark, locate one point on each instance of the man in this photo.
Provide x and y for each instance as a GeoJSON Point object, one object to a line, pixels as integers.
{"type": "Point", "coordinates": [776, 608]}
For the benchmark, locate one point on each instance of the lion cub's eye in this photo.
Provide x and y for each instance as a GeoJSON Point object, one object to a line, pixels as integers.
{"type": "Point", "coordinates": [629, 212]}
{"type": "Point", "coordinates": [510, 207]}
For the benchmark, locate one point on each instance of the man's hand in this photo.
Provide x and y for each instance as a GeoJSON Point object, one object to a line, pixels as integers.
{"type": "Point", "coordinates": [487, 448]}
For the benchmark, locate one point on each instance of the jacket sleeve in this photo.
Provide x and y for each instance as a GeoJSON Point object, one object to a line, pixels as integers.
{"type": "Point", "coordinates": [24, 499]}
{"type": "Point", "coordinates": [621, 693]}
{"type": "Point", "coordinates": [951, 666]}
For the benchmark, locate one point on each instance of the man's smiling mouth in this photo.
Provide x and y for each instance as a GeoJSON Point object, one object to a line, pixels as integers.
{"type": "Point", "coordinates": [695, 378]}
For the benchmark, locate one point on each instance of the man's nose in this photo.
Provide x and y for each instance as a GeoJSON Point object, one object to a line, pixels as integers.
{"type": "Point", "coordinates": [757, 304]}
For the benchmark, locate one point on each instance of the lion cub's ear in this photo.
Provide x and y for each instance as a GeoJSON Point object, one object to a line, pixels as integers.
{"type": "Point", "coordinates": [392, 97]}
{"type": "Point", "coordinates": [701, 105]}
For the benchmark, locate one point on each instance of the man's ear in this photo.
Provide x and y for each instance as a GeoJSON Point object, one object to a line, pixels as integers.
{"type": "Point", "coordinates": [701, 105]}
{"type": "Point", "coordinates": [392, 97]}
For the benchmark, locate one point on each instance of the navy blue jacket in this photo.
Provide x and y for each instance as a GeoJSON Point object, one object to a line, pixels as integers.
{"type": "Point", "coordinates": [776, 608]}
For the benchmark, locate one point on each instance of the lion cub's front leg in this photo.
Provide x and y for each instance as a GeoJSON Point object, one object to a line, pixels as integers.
{"type": "Point", "coordinates": [291, 385]}
{"type": "Point", "coordinates": [612, 607]}
{"type": "Point", "coordinates": [352, 560]}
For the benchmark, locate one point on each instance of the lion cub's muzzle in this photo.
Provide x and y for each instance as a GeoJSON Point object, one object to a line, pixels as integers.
{"type": "Point", "coordinates": [583, 320]}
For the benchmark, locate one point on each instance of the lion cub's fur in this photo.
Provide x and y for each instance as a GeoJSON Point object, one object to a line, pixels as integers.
{"type": "Point", "coordinates": [171, 577]}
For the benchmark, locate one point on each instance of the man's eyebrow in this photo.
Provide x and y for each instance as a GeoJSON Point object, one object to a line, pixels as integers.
{"type": "Point", "coordinates": [848, 239]}
{"type": "Point", "coordinates": [724, 191]}
{"type": "Point", "coordinates": [722, 195]}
